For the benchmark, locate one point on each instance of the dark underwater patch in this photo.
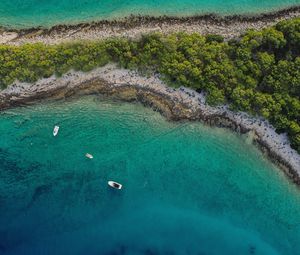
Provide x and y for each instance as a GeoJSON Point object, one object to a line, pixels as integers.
{"type": "Point", "coordinates": [11, 166]}
{"type": "Point", "coordinates": [38, 192]}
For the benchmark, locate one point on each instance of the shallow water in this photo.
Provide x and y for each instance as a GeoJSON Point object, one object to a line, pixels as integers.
{"type": "Point", "coordinates": [188, 188]}
{"type": "Point", "coordinates": [28, 13]}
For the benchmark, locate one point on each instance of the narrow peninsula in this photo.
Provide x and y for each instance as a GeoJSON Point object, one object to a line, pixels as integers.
{"type": "Point", "coordinates": [129, 125]}
{"type": "Point", "coordinates": [229, 71]}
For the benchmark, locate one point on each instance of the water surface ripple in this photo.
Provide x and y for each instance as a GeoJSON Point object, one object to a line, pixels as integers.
{"type": "Point", "coordinates": [188, 188]}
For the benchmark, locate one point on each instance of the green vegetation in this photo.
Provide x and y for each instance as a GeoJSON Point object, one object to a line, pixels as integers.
{"type": "Point", "coordinates": [258, 73]}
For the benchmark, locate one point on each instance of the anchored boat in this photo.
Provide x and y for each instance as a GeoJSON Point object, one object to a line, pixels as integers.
{"type": "Point", "coordinates": [55, 130]}
{"type": "Point", "coordinates": [115, 185]}
{"type": "Point", "coordinates": [90, 156]}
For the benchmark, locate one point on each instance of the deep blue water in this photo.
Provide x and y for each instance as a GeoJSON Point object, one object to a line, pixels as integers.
{"type": "Point", "coordinates": [188, 188]}
{"type": "Point", "coordinates": [28, 13]}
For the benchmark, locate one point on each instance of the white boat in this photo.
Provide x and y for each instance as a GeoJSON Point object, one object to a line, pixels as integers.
{"type": "Point", "coordinates": [55, 130]}
{"type": "Point", "coordinates": [115, 185]}
{"type": "Point", "coordinates": [89, 155]}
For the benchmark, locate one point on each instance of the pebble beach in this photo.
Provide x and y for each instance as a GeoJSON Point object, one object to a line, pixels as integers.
{"type": "Point", "coordinates": [135, 26]}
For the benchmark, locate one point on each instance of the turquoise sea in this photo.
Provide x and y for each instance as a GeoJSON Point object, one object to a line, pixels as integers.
{"type": "Point", "coordinates": [28, 13]}
{"type": "Point", "coordinates": [188, 188]}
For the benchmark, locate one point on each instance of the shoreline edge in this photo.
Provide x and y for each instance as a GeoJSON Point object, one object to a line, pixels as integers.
{"type": "Point", "coordinates": [174, 104]}
{"type": "Point", "coordinates": [135, 25]}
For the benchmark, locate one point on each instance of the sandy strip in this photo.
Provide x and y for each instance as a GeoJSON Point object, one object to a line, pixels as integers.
{"type": "Point", "coordinates": [176, 104]}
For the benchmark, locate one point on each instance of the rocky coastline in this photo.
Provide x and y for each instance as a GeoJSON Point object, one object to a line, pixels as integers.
{"type": "Point", "coordinates": [134, 26]}
{"type": "Point", "coordinates": [174, 104]}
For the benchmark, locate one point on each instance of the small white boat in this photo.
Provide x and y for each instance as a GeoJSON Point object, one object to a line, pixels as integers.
{"type": "Point", "coordinates": [55, 130]}
{"type": "Point", "coordinates": [115, 185]}
{"type": "Point", "coordinates": [89, 155]}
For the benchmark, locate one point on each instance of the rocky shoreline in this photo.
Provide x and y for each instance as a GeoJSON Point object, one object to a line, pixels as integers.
{"type": "Point", "coordinates": [134, 26]}
{"type": "Point", "coordinates": [174, 104]}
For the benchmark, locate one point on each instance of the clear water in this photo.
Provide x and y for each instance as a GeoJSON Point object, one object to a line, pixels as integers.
{"type": "Point", "coordinates": [28, 13]}
{"type": "Point", "coordinates": [188, 188]}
